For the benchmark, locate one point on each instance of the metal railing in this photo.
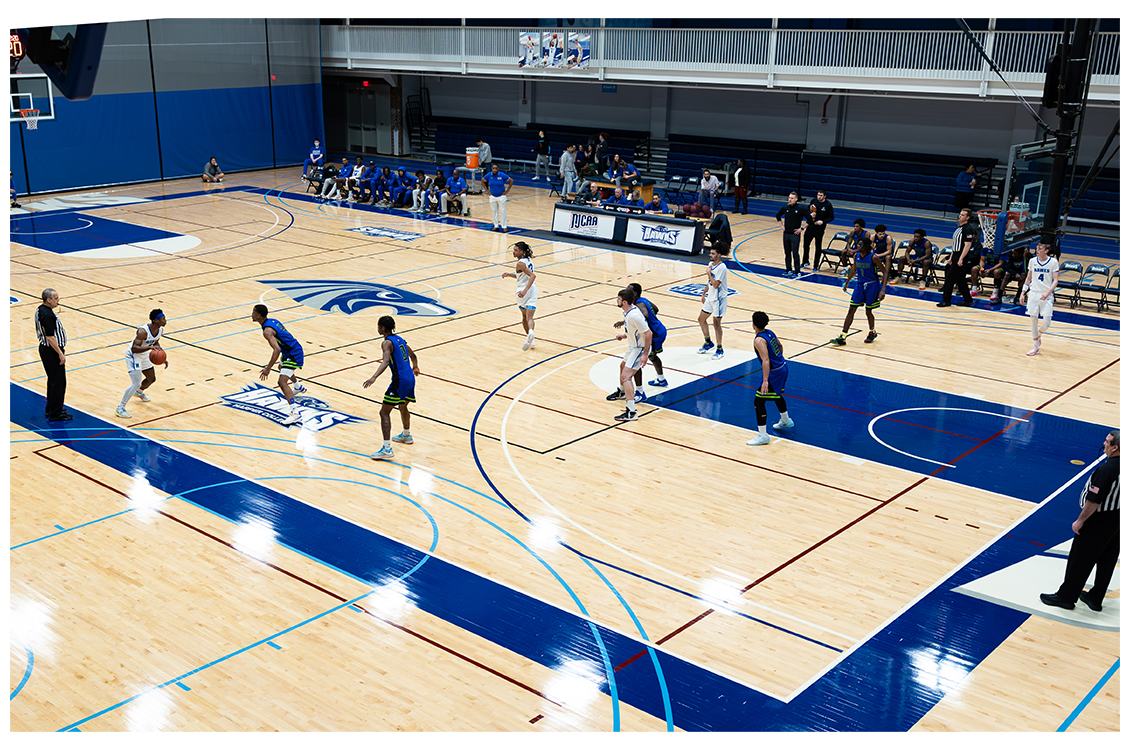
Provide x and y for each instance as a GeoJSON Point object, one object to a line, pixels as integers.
{"type": "Point", "coordinates": [917, 61]}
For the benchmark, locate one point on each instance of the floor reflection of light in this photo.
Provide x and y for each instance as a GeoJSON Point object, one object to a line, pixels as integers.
{"type": "Point", "coordinates": [142, 497]}
{"type": "Point", "coordinates": [307, 442]}
{"type": "Point", "coordinates": [392, 600]}
{"type": "Point", "coordinates": [720, 591]}
{"type": "Point", "coordinates": [31, 626]}
{"type": "Point", "coordinates": [575, 684]}
{"type": "Point", "coordinates": [937, 672]}
{"type": "Point", "coordinates": [544, 533]}
{"type": "Point", "coordinates": [256, 538]}
{"type": "Point", "coordinates": [420, 481]}
{"type": "Point", "coordinates": [150, 712]}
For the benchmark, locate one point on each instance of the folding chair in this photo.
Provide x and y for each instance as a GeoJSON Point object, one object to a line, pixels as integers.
{"type": "Point", "coordinates": [315, 180]}
{"type": "Point", "coordinates": [1112, 289]}
{"type": "Point", "coordinates": [941, 262]}
{"type": "Point", "coordinates": [1069, 285]}
{"type": "Point", "coordinates": [674, 189]}
{"type": "Point", "coordinates": [823, 255]}
{"type": "Point", "coordinates": [556, 185]}
{"type": "Point", "coordinates": [1098, 288]}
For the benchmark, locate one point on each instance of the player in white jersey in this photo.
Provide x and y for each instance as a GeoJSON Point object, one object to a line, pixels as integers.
{"type": "Point", "coordinates": [1039, 288]}
{"type": "Point", "coordinates": [638, 335]}
{"type": "Point", "coordinates": [527, 291]}
{"type": "Point", "coordinates": [714, 303]}
{"type": "Point", "coordinates": [140, 369]}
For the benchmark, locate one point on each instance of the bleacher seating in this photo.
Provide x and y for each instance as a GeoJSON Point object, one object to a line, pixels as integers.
{"type": "Point", "coordinates": [513, 147]}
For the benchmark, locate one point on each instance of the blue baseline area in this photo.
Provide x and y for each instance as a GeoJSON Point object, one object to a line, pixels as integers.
{"type": "Point", "coordinates": [883, 685]}
{"type": "Point", "coordinates": [71, 231]}
{"type": "Point", "coordinates": [832, 410]}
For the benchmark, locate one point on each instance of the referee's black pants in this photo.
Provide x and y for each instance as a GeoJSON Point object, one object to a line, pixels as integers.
{"type": "Point", "coordinates": [955, 274]}
{"type": "Point", "coordinates": [56, 380]}
{"type": "Point", "coordinates": [814, 232]}
{"type": "Point", "coordinates": [1095, 546]}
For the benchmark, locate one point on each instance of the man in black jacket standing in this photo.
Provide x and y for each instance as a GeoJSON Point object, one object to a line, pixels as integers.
{"type": "Point", "coordinates": [1096, 542]}
{"type": "Point", "coordinates": [741, 179]}
{"type": "Point", "coordinates": [790, 217]}
{"type": "Point", "coordinates": [820, 215]}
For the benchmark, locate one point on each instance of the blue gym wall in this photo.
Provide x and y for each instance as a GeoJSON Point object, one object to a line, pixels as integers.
{"type": "Point", "coordinates": [170, 94]}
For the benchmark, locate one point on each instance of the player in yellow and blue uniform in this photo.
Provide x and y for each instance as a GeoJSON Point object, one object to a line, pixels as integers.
{"type": "Point", "coordinates": [285, 350]}
{"type": "Point", "coordinates": [397, 357]}
{"type": "Point", "coordinates": [869, 290]}
{"type": "Point", "coordinates": [774, 375]}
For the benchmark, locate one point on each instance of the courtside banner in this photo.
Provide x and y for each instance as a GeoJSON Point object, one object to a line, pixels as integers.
{"type": "Point", "coordinates": [583, 224]}
{"type": "Point", "coordinates": [660, 236]}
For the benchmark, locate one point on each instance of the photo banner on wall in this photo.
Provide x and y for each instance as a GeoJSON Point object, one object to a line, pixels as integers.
{"type": "Point", "coordinates": [549, 49]}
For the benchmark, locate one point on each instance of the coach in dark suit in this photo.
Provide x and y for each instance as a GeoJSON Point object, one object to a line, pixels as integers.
{"type": "Point", "coordinates": [52, 342]}
{"type": "Point", "coordinates": [1096, 542]}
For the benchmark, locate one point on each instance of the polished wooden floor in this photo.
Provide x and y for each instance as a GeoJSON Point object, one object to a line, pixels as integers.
{"type": "Point", "coordinates": [134, 611]}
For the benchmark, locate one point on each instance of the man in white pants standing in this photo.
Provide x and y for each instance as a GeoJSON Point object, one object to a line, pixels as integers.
{"type": "Point", "coordinates": [1043, 275]}
{"type": "Point", "coordinates": [498, 184]}
{"type": "Point", "coordinates": [638, 335]}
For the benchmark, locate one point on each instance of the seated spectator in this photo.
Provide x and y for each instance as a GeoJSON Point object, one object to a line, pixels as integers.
{"type": "Point", "coordinates": [314, 160]}
{"type": "Point", "coordinates": [12, 189]}
{"type": "Point", "coordinates": [857, 234]}
{"type": "Point", "coordinates": [718, 233]}
{"type": "Point", "coordinates": [332, 184]}
{"type": "Point", "coordinates": [382, 187]}
{"type": "Point", "coordinates": [884, 249]}
{"type": "Point", "coordinates": [420, 190]}
{"type": "Point", "coordinates": [657, 205]}
{"type": "Point", "coordinates": [630, 176]}
{"type": "Point", "coordinates": [438, 185]}
{"type": "Point", "coordinates": [616, 199]}
{"type": "Point", "coordinates": [708, 189]}
{"type": "Point", "coordinates": [636, 200]}
{"type": "Point", "coordinates": [402, 188]}
{"type": "Point", "coordinates": [484, 153]}
{"type": "Point", "coordinates": [454, 196]}
{"type": "Point", "coordinates": [919, 255]}
{"type": "Point", "coordinates": [615, 169]}
{"type": "Point", "coordinates": [362, 179]}
{"type": "Point", "coordinates": [212, 172]}
{"type": "Point", "coordinates": [354, 178]}
{"type": "Point", "coordinates": [992, 265]}
{"type": "Point", "coordinates": [1015, 269]}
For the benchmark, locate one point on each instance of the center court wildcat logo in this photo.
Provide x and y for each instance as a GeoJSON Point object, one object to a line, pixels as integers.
{"type": "Point", "coordinates": [267, 402]}
{"type": "Point", "coordinates": [696, 290]}
{"type": "Point", "coordinates": [353, 296]}
{"type": "Point", "coordinates": [661, 235]}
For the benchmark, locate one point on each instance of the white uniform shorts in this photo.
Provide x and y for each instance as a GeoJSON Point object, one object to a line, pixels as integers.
{"type": "Point", "coordinates": [530, 301]}
{"type": "Point", "coordinates": [138, 362]}
{"type": "Point", "coordinates": [633, 358]}
{"type": "Point", "coordinates": [715, 308]}
{"type": "Point", "coordinates": [1041, 307]}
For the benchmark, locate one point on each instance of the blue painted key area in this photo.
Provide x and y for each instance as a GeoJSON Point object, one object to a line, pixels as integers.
{"type": "Point", "coordinates": [832, 410]}
{"type": "Point", "coordinates": [69, 231]}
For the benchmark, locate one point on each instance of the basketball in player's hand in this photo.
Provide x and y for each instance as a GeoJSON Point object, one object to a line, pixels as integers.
{"type": "Point", "coordinates": [157, 356]}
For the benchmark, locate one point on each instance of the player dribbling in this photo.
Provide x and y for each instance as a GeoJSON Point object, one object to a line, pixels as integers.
{"type": "Point", "coordinates": [138, 366]}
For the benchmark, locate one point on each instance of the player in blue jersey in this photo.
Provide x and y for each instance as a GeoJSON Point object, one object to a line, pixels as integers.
{"type": "Point", "coordinates": [399, 358]}
{"type": "Point", "coordinates": [314, 160]}
{"type": "Point", "coordinates": [285, 350]}
{"type": "Point", "coordinates": [774, 374]}
{"type": "Point", "coordinates": [869, 288]}
{"type": "Point", "coordinates": [658, 335]}
{"type": "Point", "coordinates": [405, 184]}
{"type": "Point", "coordinates": [857, 233]}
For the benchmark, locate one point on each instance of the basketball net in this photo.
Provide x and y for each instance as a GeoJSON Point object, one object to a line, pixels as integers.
{"type": "Point", "coordinates": [31, 117]}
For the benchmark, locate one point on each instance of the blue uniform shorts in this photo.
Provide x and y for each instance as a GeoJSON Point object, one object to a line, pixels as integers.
{"type": "Point", "coordinates": [777, 379]}
{"type": "Point", "coordinates": [866, 293]}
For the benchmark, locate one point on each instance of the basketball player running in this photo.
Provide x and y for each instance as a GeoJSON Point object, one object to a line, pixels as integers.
{"type": "Point", "coordinates": [138, 366]}
{"type": "Point", "coordinates": [869, 290]}
{"type": "Point", "coordinates": [398, 357]}
{"type": "Point", "coordinates": [1043, 275]}
{"type": "Point", "coordinates": [658, 335]}
{"type": "Point", "coordinates": [774, 373]}
{"type": "Point", "coordinates": [714, 299]}
{"type": "Point", "coordinates": [638, 336]}
{"type": "Point", "coordinates": [527, 290]}
{"type": "Point", "coordinates": [285, 350]}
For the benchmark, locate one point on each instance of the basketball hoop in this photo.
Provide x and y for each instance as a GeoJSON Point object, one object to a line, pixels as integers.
{"type": "Point", "coordinates": [988, 221]}
{"type": "Point", "coordinates": [31, 117]}
{"type": "Point", "coordinates": [1017, 219]}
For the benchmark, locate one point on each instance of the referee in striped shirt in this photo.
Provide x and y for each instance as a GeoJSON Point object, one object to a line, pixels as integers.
{"type": "Point", "coordinates": [52, 342]}
{"type": "Point", "coordinates": [1096, 542]}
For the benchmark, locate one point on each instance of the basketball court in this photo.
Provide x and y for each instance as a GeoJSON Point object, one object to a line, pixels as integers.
{"type": "Point", "coordinates": [527, 563]}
